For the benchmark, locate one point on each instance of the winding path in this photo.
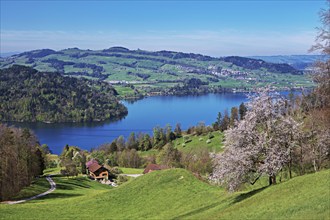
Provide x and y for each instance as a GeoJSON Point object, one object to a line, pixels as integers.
{"type": "Point", "coordinates": [52, 188]}
{"type": "Point", "coordinates": [132, 175]}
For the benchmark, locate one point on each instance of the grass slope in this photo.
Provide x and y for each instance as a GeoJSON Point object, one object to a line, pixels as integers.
{"type": "Point", "coordinates": [304, 197]}
{"type": "Point", "coordinates": [64, 202]}
{"type": "Point", "coordinates": [131, 170]}
{"type": "Point", "coordinates": [199, 141]}
{"type": "Point", "coordinates": [176, 194]}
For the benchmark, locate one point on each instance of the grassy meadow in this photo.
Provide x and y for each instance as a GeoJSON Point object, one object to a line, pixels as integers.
{"type": "Point", "coordinates": [200, 141]}
{"type": "Point", "coordinates": [177, 194]}
{"type": "Point", "coordinates": [131, 170]}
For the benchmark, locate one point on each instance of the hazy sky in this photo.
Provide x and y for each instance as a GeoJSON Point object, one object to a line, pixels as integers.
{"type": "Point", "coordinates": [216, 28]}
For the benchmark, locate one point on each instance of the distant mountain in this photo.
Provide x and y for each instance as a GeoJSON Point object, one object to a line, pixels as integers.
{"type": "Point", "coordinates": [8, 54]}
{"type": "Point", "coordinates": [141, 64]}
{"type": "Point", "coordinates": [157, 71]}
{"type": "Point", "coordinates": [255, 64]}
{"type": "Point", "coordinates": [299, 62]}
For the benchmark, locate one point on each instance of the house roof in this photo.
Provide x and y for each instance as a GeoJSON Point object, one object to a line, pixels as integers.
{"type": "Point", "coordinates": [92, 161]}
{"type": "Point", "coordinates": [94, 167]}
{"type": "Point", "coordinates": [152, 167]}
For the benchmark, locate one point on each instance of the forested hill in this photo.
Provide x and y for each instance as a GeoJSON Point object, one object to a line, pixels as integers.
{"type": "Point", "coordinates": [29, 95]}
{"type": "Point", "coordinates": [255, 64]}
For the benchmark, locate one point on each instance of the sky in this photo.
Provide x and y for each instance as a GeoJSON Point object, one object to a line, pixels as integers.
{"type": "Point", "coordinates": [215, 28]}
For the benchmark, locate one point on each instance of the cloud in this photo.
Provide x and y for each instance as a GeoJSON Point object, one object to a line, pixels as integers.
{"type": "Point", "coordinates": [214, 43]}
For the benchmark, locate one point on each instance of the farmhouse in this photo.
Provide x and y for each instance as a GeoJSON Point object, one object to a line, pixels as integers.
{"type": "Point", "coordinates": [96, 171]}
{"type": "Point", "coordinates": [153, 167]}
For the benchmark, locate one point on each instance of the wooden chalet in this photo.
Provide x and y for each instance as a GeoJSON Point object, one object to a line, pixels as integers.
{"type": "Point", "coordinates": [96, 171]}
{"type": "Point", "coordinates": [153, 167]}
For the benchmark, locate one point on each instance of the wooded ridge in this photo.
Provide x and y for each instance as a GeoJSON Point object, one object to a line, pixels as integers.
{"type": "Point", "coordinates": [29, 95]}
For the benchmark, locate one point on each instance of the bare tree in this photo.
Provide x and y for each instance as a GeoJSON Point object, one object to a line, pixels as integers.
{"type": "Point", "coordinates": [318, 123]}
{"type": "Point", "coordinates": [323, 37]}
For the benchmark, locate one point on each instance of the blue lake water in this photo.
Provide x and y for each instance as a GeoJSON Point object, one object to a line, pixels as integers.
{"type": "Point", "coordinates": [143, 116]}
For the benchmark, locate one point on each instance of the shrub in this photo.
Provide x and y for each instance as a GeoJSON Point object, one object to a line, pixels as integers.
{"type": "Point", "coordinates": [169, 156]}
{"type": "Point", "coordinates": [51, 164]}
{"type": "Point", "coordinates": [186, 139]}
{"type": "Point", "coordinates": [116, 170]}
{"type": "Point", "coordinates": [63, 172]}
{"type": "Point", "coordinates": [121, 179]}
{"type": "Point", "coordinates": [197, 161]}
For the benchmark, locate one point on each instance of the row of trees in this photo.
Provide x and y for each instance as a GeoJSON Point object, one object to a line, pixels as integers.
{"type": "Point", "coordinates": [143, 141]}
{"type": "Point", "coordinates": [196, 160]}
{"type": "Point", "coordinates": [224, 122]}
{"type": "Point", "coordinates": [21, 160]}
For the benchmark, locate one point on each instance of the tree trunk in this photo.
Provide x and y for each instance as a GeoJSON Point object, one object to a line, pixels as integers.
{"type": "Point", "coordinates": [272, 179]}
{"type": "Point", "coordinates": [290, 166]}
{"type": "Point", "coordinates": [301, 160]}
{"type": "Point", "coordinates": [314, 159]}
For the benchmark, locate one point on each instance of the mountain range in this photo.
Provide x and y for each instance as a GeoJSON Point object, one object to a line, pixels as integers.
{"type": "Point", "coordinates": [151, 70]}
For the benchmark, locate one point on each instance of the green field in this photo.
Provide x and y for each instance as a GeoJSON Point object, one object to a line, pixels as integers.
{"type": "Point", "coordinates": [177, 194]}
{"type": "Point", "coordinates": [131, 170]}
{"type": "Point", "coordinates": [199, 141]}
{"type": "Point", "coordinates": [124, 91]}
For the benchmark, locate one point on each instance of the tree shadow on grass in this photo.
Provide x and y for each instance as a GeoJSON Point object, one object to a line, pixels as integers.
{"type": "Point", "coordinates": [197, 211]}
{"type": "Point", "coordinates": [55, 195]}
{"type": "Point", "coordinates": [72, 185]}
{"type": "Point", "coordinates": [244, 196]}
{"type": "Point", "coordinates": [54, 175]}
{"type": "Point", "coordinates": [64, 186]}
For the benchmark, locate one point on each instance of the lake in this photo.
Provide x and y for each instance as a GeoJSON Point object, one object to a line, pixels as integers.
{"type": "Point", "coordinates": [143, 116]}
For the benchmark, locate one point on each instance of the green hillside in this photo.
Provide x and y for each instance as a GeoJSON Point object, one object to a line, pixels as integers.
{"type": "Point", "coordinates": [304, 197]}
{"type": "Point", "coordinates": [190, 142]}
{"type": "Point", "coordinates": [177, 193]}
{"type": "Point", "coordinates": [161, 71]}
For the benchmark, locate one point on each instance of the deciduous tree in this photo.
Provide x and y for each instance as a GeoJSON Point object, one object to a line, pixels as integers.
{"type": "Point", "coordinates": [261, 144]}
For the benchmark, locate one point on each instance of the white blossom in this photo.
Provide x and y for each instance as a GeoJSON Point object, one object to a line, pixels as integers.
{"type": "Point", "coordinates": [261, 144]}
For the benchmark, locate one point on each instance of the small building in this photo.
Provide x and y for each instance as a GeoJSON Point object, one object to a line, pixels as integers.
{"type": "Point", "coordinates": [96, 171]}
{"type": "Point", "coordinates": [153, 167]}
